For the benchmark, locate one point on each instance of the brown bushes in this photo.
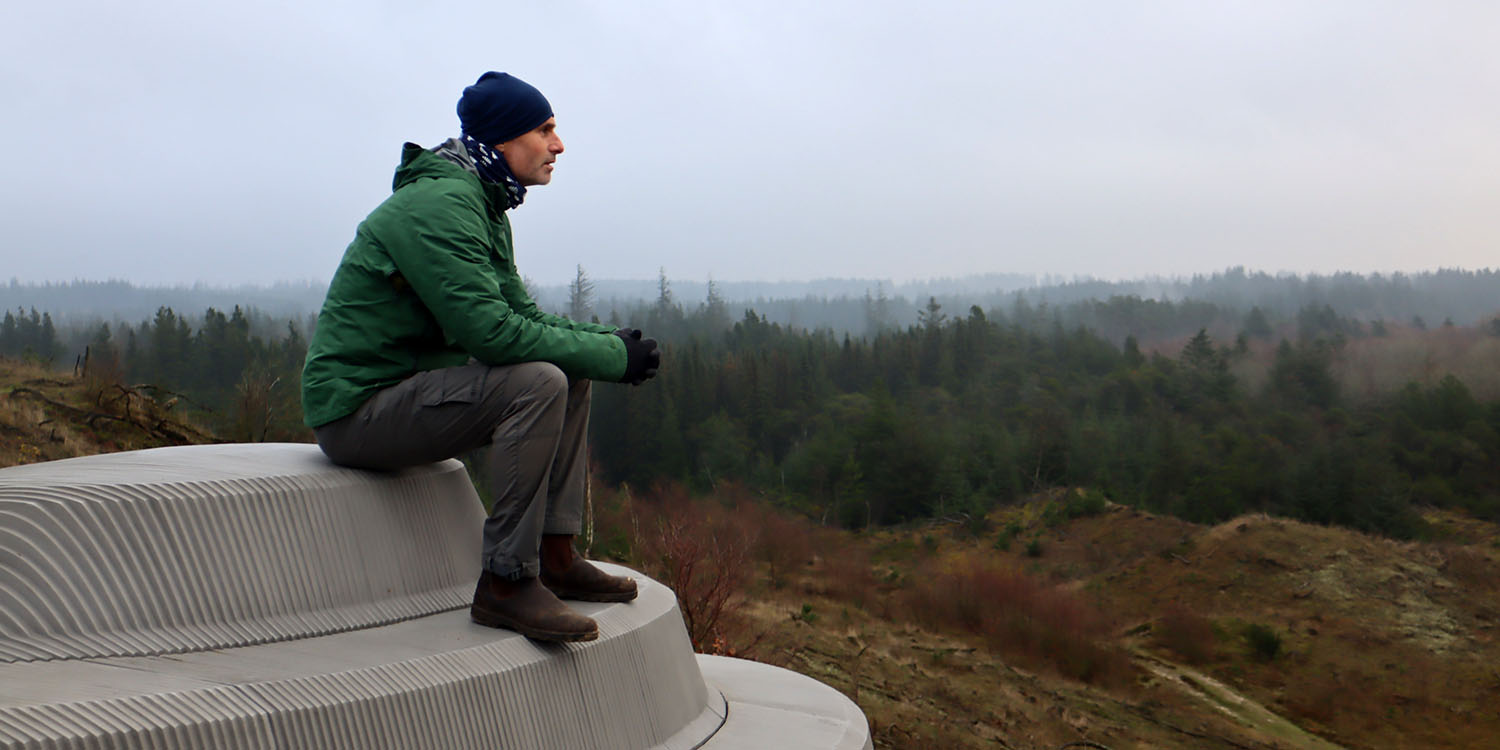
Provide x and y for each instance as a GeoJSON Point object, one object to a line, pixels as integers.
{"type": "Point", "coordinates": [696, 547]}
{"type": "Point", "coordinates": [844, 571]}
{"type": "Point", "coordinates": [1187, 634]}
{"type": "Point", "coordinates": [707, 552]}
{"type": "Point", "coordinates": [781, 542]}
{"type": "Point", "coordinates": [1018, 615]}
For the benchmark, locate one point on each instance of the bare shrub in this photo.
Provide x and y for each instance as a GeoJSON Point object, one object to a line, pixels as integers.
{"type": "Point", "coordinates": [782, 542]}
{"type": "Point", "coordinates": [1020, 616]}
{"type": "Point", "coordinates": [697, 549]}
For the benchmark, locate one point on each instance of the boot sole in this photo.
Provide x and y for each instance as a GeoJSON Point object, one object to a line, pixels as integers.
{"type": "Point", "coordinates": [592, 596]}
{"type": "Point", "coordinates": [495, 620]}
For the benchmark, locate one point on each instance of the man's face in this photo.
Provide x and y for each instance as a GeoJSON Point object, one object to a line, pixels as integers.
{"type": "Point", "coordinates": [530, 155]}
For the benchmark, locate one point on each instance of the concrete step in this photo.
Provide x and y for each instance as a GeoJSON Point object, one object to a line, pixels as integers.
{"type": "Point", "coordinates": [256, 596]}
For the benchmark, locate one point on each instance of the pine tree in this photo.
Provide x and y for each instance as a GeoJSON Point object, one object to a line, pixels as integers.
{"type": "Point", "coordinates": [877, 311]}
{"type": "Point", "coordinates": [715, 310]}
{"type": "Point", "coordinates": [10, 336]}
{"type": "Point", "coordinates": [663, 291]}
{"type": "Point", "coordinates": [47, 346]}
{"type": "Point", "coordinates": [581, 296]}
{"type": "Point", "coordinates": [931, 317]}
{"type": "Point", "coordinates": [666, 318]}
{"type": "Point", "coordinates": [1132, 352]}
{"type": "Point", "coordinates": [1256, 324]}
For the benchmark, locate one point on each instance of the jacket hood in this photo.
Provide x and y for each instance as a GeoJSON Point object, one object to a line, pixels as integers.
{"type": "Point", "coordinates": [419, 163]}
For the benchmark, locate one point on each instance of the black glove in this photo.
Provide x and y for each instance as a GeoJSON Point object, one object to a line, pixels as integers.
{"type": "Point", "coordinates": [634, 333]}
{"type": "Point", "coordinates": [642, 357]}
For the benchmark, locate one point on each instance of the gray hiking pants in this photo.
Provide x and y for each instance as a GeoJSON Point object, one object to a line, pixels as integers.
{"type": "Point", "coordinates": [528, 424]}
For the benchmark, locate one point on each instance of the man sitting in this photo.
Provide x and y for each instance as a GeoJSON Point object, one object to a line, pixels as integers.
{"type": "Point", "coordinates": [428, 346]}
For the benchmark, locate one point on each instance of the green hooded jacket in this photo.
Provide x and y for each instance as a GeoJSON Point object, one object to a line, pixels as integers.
{"type": "Point", "coordinates": [428, 282]}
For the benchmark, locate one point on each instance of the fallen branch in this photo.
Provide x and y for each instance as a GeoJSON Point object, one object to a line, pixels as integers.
{"type": "Point", "coordinates": [158, 427]}
{"type": "Point", "coordinates": [173, 396]}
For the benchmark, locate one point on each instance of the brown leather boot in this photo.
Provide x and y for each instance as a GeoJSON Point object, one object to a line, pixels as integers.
{"type": "Point", "coordinates": [582, 581]}
{"type": "Point", "coordinates": [528, 608]}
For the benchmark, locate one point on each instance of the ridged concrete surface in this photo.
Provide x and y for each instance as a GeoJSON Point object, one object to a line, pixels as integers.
{"type": "Point", "coordinates": [255, 596]}
{"type": "Point", "coordinates": [190, 548]}
{"type": "Point", "coordinates": [433, 682]}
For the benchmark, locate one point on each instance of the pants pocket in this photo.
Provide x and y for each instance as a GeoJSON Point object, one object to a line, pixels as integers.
{"type": "Point", "coordinates": [453, 385]}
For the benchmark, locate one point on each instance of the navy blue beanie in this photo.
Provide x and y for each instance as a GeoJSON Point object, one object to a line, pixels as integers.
{"type": "Point", "coordinates": [499, 107]}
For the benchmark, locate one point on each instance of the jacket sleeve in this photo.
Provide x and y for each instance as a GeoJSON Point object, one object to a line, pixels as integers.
{"type": "Point", "coordinates": [442, 249]}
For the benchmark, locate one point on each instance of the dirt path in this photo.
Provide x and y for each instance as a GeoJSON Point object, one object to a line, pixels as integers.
{"type": "Point", "coordinates": [1222, 697]}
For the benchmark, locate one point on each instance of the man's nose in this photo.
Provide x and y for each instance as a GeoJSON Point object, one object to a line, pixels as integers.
{"type": "Point", "coordinates": [557, 146]}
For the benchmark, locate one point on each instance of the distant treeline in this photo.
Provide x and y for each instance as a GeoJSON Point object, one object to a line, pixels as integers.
{"type": "Point", "coordinates": [957, 411]}
{"type": "Point", "coordinates": [866, 307]}
{"type": "Point", "coordinates": [78, 303]}
{"type": "Point", "coordinates": [1150, 309]}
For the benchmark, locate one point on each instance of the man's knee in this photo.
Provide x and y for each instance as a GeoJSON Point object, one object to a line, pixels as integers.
{"type": "Point", "coordinates": [533, 382]}
{"type": "Point", "coordinates": [543, 378]}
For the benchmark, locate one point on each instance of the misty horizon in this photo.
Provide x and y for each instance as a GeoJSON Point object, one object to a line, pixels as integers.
{"type": "Point", "coordinates": [1006, 280]}
{"type": "Point", "coordinates": [243, 143]}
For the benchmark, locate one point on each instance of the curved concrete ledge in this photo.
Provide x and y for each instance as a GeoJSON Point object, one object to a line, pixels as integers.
{"type": "Point", "coordinates": [188, 548]}
{"type": "Point", "coordinates": [256, 596]}
{"type": "Point", "coordinates": [433, 682]}
{"type": "Point", "coordinates": [770, 707]}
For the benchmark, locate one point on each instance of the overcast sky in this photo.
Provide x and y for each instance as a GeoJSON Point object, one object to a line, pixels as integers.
{"type": "Point", "coordinates": [176, 141]}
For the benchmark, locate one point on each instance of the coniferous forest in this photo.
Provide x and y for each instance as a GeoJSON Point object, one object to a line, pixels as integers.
{"type": "Point", "coordinates": [956, 414]}
{"type": "Point", "coordinates": [1198, 409]}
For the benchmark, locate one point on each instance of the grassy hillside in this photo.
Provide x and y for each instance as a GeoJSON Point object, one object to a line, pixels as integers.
{"type": "Point", "coordinates": [1065, 618]}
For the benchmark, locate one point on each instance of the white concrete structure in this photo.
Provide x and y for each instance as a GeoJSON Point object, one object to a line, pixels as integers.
{"type": "Point", "coordinates": [255, 596]}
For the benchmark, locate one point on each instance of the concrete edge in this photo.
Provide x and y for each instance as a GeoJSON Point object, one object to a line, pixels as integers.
{"type": "Point", "coordinates": [774, 707]}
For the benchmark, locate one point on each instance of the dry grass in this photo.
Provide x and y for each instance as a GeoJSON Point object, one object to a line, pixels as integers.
{"type": "Point", "coordinates": [29, 430]}
{"type": "Point", "coordinates": [1187, 634]}
{"type": "Point", "coordinates": [1472, 567]}
{"type": "Point", "coordinates": [46, 415]}
{"type": "Point", "coordinates": [844, 571]}
{"type": "Point", "coordinates": [950, 641]}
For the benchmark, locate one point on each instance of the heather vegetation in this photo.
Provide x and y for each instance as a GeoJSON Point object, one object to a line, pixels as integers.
{"type": "Point", "coordinates": [1126, 628]}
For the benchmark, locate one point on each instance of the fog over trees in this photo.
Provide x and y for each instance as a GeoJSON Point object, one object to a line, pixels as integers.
{"type": "Point", "coordinates": [865, 306]}
{"type": "Point", "coordinates": [1352, 400]}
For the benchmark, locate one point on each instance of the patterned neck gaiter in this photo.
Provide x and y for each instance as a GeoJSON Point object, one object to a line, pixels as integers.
{"type": "Point", "coordinates": [491, 166]}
